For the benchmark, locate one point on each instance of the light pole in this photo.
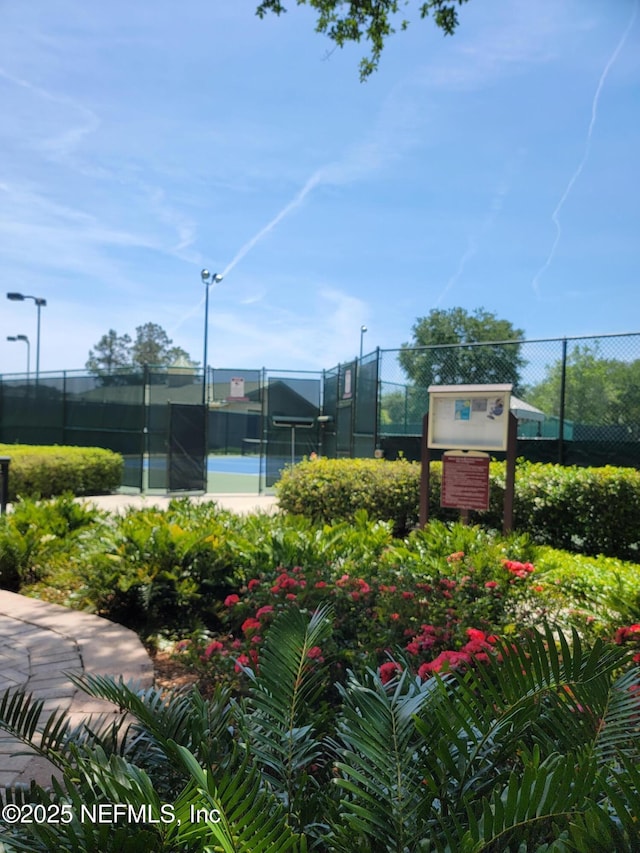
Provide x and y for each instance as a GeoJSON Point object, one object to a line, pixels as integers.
{"type": "Point", "coordinates": [208, 279]}
{"type": "Point", "coordinates": [26, 340]}
{"type": "Point", "coordinates": [40, 303]}
{"type": "Point", "coordinates": [363, 329]}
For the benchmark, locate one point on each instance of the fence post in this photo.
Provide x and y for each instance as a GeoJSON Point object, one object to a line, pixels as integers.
{"type": "Point", "coordinates": [4, 483]}
{"type": "Point", "coordinates": [563, 390]}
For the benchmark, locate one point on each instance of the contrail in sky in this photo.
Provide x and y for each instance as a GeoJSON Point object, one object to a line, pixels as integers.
{"type": "Point", "coordinates": [594, 113]}
{"type": "Point", "coordinates": [475, 239]}
{"type": "Point", "coordinates": [296, 201]}
{"type": "Point", "coordinates": [313, 182]}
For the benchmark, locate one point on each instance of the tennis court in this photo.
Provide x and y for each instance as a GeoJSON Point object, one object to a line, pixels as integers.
{"type": "Point", "coordinates": [226, 474]}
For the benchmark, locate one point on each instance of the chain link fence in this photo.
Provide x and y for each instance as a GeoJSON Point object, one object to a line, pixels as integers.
{"type": "Point", "coordinates": [578, 399]}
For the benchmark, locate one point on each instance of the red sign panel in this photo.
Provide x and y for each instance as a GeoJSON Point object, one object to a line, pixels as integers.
{"type": "Point", "coordinates": [465, 481]}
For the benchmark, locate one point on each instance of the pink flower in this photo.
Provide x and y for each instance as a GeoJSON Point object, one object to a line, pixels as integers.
{"type": "Point", "coordinates": [215, 646]}
{"type": "Point", "coordinates": [230, 600]}
{"type": "Point", "coordinates": [394, 616]}
{"type": "Point", "coordinates": [241, 661]}
{"type": "Point", "coordinates": [454, 558]}
{"type": "Point", "coordinates": [408, 595]}
{"type": "Point", "coordinates": [320, 585]}
{"type": "Point", "coordinates": [388, 670]}
{"type": "Point", "coordinates": [290, 596]}
{"type": "Point", "coordinates": [268, 608]}
{"type": "Point", "coordinates": [253, 583]}
{"type": "Point", "coordinates": [315, 653]}
{"type": "Point", "coordinates": [491, 584]}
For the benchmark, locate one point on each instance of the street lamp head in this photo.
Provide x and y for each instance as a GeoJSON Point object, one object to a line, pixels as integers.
{"type": "Point", "coordinates": [40, 302]}
{"type": "Point", "coordinates": [15, 297]}
{"type": "Point", "coordinates": [363, 329]}
{"type": "Point", "coordinates": [210, 277]}
{"type": "Point", "coordinates": [11, 338]}
{"type": "Point", "coordinates": [22, 338]}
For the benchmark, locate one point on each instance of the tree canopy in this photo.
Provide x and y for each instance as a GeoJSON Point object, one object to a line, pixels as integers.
{"type": "Point", "coordinates": [598, 391]}
{"type": "Point", "coordinates": [444, 352]}
{"type": "Point", "coordinates": [373, 21]}
{"type": "Point", "coordinates": [151, 345]}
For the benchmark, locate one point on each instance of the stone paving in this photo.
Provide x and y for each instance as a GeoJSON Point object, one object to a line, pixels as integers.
{"type": "Point", "coordinates": [41, 644]}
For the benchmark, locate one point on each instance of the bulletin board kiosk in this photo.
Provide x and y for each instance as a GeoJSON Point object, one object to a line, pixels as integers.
{"type": "Point", "coordinates": [468, 422]}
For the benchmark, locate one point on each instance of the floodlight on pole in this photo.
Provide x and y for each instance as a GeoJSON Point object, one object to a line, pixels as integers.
{"type": "Point", "coordinates": [26, 340]}
{"type": "Point", "coordinates": [363, 329]}
{"type": "Point", "coordinates": [39, 303]}
{"type": "Point", "coordinates": [208, 279]}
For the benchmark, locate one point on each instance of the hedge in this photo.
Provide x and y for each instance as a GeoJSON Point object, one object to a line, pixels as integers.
{"type": "Point", "coordinates": [44, 472]}
{"type": "Point", "coordinates": [586, 510]}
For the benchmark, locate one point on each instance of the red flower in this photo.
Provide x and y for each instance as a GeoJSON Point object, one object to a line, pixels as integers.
{"type": "Point", "coordinates": [320, 585]}
{"type": "Point", "coordinates": [491, 584]}
{"type": "Point", "coordinates": [230, 600]}
{"type": "Point", "coordinates": [215, 646]}
{"type": "Point", "coordinates": [408, 595]}
{"type": "Point", "coordinates": [315, 653]}
{"type": "Point", "coordinates": [476, 634]}
{"type": "Point", "coordinates": [253, 583]}
{"type": "Point", "coordinates": [290, 596]}
{"type": "Point", "coordinates": [250, 624]}
{"type": "Point", "coordinates": [388, 670]}
{"type": "Point", "coordinates": [447, 659]}
{"type": "Point", "coordinates": [241, 661]}
{"type": "Point", "coordinates": [519, 570]}
{"type": "Point", "coordinates": [268, 608]}
{"type": "Point", "coordinates": [394, 616]}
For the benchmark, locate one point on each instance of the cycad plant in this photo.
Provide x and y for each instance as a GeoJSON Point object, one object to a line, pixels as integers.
{"type": "Point", "coordinates": [537, 749]}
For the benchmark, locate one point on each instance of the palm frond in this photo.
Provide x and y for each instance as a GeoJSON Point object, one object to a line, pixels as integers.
{"type": "Point", "coordinates": [385, 795]}
{"type": "Point", "coordinates": [233, 808]}
{"type": "Point", "coordinates": [534, 808]}
{"type": "Point", "coordinates": [280, 727]}
{"type": "Point", "coordinates": [164, 717]}
{"type": "Point", "coordinates": [22, 716]}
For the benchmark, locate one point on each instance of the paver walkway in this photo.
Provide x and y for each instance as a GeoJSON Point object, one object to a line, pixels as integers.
{"type": "Point", "coordinates": [40, 644]}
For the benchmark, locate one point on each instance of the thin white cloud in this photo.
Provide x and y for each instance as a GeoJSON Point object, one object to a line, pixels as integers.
{"type": "Point", "coordinates": [555, 216]}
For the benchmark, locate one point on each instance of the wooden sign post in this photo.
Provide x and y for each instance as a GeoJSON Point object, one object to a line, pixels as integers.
{"type": "Point", "coordinates": [466, 421]}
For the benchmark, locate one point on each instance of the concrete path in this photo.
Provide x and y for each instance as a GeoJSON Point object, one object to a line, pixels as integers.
{"type": "Point", "coordinates": [41, 643]}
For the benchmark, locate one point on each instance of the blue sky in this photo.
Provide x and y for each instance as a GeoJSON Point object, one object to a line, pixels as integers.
{"type": "Point", "coordinates": [141, 142]}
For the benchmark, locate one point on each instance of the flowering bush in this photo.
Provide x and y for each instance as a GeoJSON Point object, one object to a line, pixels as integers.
{"type": "Point", "coordinates": [444, 619]}
{"type": "Point", "coordinates": [630, 634]}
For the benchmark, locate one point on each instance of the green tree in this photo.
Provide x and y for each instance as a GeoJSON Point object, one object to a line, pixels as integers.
{"type": "Point", "coordinates": [598, 391]}
{"type": "Point", "coordinates": [112, 351]}
{"type": "Point", "coordinates": [444, 349]}
{"type": "Point", "coordinates": [152, 345]}
{"type": "Point", "coordinates": [373, 21]}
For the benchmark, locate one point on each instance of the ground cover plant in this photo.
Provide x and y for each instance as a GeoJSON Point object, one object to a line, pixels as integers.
{"type": "Point", "coordinates": [536, 747]}
{"type": "Point", "coordinates": [362, 692]}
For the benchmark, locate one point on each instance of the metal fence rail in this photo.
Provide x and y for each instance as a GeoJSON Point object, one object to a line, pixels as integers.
{"type": "Point", "coordinates": [582, 396]}
{"type": "Point", "coordinates": [586, 391]}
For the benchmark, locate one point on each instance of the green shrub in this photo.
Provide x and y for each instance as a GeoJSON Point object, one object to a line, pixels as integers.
{"type": "Point", "coordinates": [40, 538]}
{"type": "Point", "coordinates": [43, 472]}
{"type": "Point", "coordinates": [586, 510]}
